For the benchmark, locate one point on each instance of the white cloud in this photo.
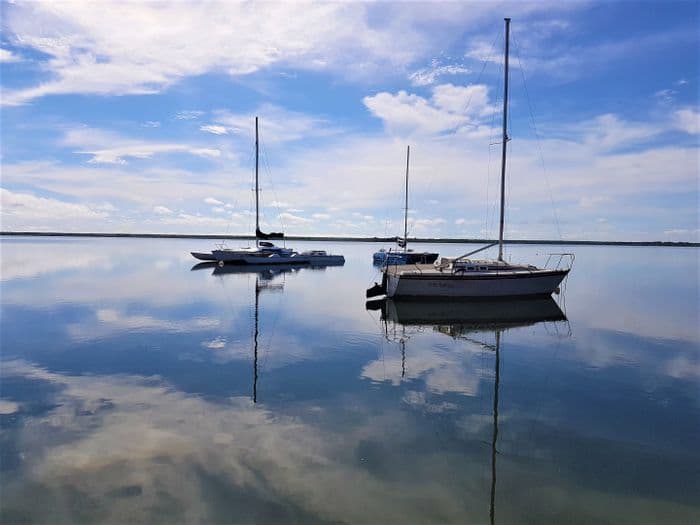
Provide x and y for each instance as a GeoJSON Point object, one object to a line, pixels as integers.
{"type": "Point", "coordinates": [688, 120]}
{"type": "Point", "coordinates": [151, 124]}
{"type": "Point", "coordinates": [26, 211]}
{"type": "Point", "coordinates": [295, 219]}
{"type": "Point", "coordinates": [88, 56]}
{"type": "Point", "coordinates": [355, 41]}
{"type": "Point", "coordinates": [609, 132]}
{"type": "Point", "coordinates": [162, 210]}
{"type": "Point", "coordinates": [449, 108]}
{"type": "Point", "coordinates": [189, 114]}
{"type": "Point", "coordinates": [216, 130]}
{"type": "Point", "coordinates": [213, 201]}
{"type": "Point", "coordinates": [427, 76]}
{"type": "Point", "coordinates": [321, 216]}
{"type": "Point", "coordinates": [276, 124]}
{"type": "Point", "coordinates": [7, 56]}
{"type": "Point", "coordinates": [109, 148]}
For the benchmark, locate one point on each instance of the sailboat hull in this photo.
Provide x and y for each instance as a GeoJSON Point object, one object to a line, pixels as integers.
{"type": "Point", "coordinates": [487, 284]}
{"type": "Point", "coordinates": [202, 256]}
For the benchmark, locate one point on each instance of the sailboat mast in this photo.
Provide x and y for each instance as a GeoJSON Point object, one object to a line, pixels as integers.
{"type": "Point", "coordinates": [257, 203]}
{"type": "Point", "coordinates": [405, 213]}
{"type": "Point", "coordinates": [505, 142]}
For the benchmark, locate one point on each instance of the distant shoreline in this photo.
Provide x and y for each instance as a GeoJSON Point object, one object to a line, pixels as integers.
{"type": "Point", "coordinates": [353, 239]}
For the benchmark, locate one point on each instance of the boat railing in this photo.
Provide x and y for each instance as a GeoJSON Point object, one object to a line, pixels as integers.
{"type": "Point", "coordinates": [559, 261]}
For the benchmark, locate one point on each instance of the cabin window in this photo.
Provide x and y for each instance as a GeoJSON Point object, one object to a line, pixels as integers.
{"type": "Point", "coordinates": [483, 268]}
{"type": "Point", "coordinates": [470, 268]}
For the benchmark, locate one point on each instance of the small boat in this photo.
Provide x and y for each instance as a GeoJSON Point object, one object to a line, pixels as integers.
{"type": "Point", "coordinates": [323, 258]}
{"type": "Point", "coordinates": [403, 255]}
{"type": "Point", "coordinates": [463, 277]}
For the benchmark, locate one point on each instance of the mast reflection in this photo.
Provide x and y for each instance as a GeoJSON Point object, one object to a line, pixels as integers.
{"type": "Point", "coordinates": [464, 319]}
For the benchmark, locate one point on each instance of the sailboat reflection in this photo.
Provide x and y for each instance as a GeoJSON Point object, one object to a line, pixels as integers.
{"type": "Point", "coordinates": [264, 275]}
{"type": "Point", "coordinates": [259, 287]}
{"type": "Point", "coordinates": [463, 320]}
{"type": "Point", "coordinates": [264, 271]}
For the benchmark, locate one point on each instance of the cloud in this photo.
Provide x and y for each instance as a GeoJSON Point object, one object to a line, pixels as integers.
{"type": "Point", "coordinates": [188, 115]}
{"type": "Point", "coordinates": [213, 201]}
{"type": "Point", "coordinates": [358, 41]}
{"type": "Point", "coordinates": [110, 321]}
{"type": "Point", "coordinates": [88, 56]}
{"type": "Point", "coordinates": [256, 455]}
{"type": "Point", "coordinates": [688, 120]}
{"type": "Point", "coordinates": [609, 132]}
{"type": "Point", "coordinates": [427, 76]}
{"type": "Point", "coordinates": [23, 210]}
{"type": "Point", "coordinates": [162, 210]}
{"type": "Point", "coordinates": [295, 219]}
{"type": "Point", "coordinates": [216, 130]}
{"type": "Point", "coordinates": [7, 56]}
{"type": "Point", "coordinates": [151, 124]}
{"type": "Point", "coordinates": [109, 148]}
{"type": "Point", "coordinates": [276, 124]}
{"type": "Point", "coordinates": [449, 107]}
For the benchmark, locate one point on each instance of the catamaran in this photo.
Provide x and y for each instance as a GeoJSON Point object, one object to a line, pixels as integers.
{"type": "Point", "coordinates": [403, 255]}
{"type": "Point", "coordinates": [464, 277]}
{"type": "Point", "coordinates": [265, 251]}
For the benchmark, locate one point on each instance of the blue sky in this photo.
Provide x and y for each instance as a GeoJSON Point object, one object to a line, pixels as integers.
{"type": "Point", "coordinates": [138, 117]}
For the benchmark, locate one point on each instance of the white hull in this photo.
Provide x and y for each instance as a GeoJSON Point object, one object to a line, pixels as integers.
{"type": "Point", "coordinates": [486, 284]}
{"type": "Point", "coordinates": [258, 256]}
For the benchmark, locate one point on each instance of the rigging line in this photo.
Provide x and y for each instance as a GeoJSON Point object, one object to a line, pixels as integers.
{"type": "Point", "coordinates": [488, 168]}
{"type": "Point", "coordinates": [493, 212]}
{"type": "Point", "coordinates": [537, 136]}
{"type": "Point", "coordinates": [251, 201]}
{"type": "Point", "coordinates": [483, 68]}
{"type": "Point", "coordinates": [272, 186]}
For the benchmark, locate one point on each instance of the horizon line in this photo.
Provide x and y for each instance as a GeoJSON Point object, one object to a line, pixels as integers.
{"type": "Point", "coordinates": [452, 240]}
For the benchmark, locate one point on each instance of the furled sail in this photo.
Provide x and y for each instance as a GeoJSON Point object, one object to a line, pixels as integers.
{"type": "Point", "coordinates": [272, 235]}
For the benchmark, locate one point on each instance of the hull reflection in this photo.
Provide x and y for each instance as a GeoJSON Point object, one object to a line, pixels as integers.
{"type": "Point", "coordinates": [491, 314]}
{"type": "Point", "coordinates": [462, 319]}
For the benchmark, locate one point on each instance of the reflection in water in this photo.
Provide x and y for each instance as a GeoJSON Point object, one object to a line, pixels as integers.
{"type": "Point", "coordinates": [468, 319]}
{"type": "Point", "coordinates": [134, 390]}
{"type": "Point", "coordinates": [263, 275]}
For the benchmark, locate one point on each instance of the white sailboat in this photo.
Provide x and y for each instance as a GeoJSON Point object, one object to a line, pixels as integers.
{"type": "Point", "coordinates": [463, 277]}
{"type": "Point", "coordinates": [266, 252]}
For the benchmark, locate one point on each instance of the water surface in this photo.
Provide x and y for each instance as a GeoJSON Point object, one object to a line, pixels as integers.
{"type": "Point", "coordinates": [137, 390]}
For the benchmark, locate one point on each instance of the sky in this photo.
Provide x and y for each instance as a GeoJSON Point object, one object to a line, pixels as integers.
{"type": "Point", "coordinates": [138, 117]}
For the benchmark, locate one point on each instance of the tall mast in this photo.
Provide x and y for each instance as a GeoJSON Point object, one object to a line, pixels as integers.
{"type": "Point", "coordinates": [405, 213]}
{"type": "Point", "coordinates": [505, 142]}
{"type": "Point", "coordinates": [257, 220]}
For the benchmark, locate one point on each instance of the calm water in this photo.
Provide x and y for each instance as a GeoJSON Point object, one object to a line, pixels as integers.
{"type": "Point", "coordinates": [135, 390]}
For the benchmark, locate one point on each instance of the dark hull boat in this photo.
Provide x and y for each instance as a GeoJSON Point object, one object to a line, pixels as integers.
{"type": "Point", "coordinates": [403, 255]}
